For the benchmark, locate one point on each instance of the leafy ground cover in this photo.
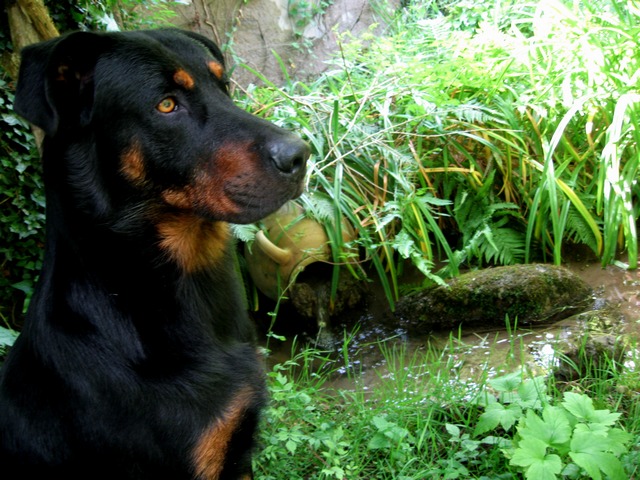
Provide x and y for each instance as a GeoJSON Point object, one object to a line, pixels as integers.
{"type": "Point", "coordinates": [423, 421]}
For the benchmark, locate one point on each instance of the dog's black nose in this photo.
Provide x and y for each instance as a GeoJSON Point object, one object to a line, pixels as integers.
{"type": "Point", "coordinates": [289, 154]}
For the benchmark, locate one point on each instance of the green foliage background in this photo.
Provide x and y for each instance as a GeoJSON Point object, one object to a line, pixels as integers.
{"type": "Point", "coordinates": [475, 134]}
{"type": "Point", "coordinates": [21, 209]}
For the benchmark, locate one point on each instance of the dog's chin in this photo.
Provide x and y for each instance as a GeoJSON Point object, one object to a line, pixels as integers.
{"type": "Point", "coordinates": [257, 212]}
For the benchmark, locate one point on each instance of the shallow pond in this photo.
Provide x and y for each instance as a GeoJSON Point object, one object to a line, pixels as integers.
{"type": "Point", "coordinates": [473, 352]}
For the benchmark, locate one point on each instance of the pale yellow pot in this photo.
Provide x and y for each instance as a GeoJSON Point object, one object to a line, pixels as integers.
{"type": "Point", "coordinates": [287, 244]}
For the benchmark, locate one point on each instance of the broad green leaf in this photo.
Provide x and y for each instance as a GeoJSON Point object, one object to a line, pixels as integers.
{"type": "Point", "coordinates": [604, 417]}
{"type": "Point", "coordinates": [7, 337]}
{"type": "Point", "coordinates": [529, 451]}
{"type": "Point", "coordinates": [594, 463]}
{"type": "Point", "coordinates": [532, 453]}
{"type": "Point", "coordinates": [611, 466]}
{"type": "Point", "coordinates": [619, 440]}
{"type": "Point", "coordinates": [532, 392]}
{"type": "Point", "coordinates": [506, 383]}
{"type": "Point", "coordinates": [489, 419]}
{"type": "Point", "coordinates": [485, 398]}
{"type": "Point", "coordinates": [588, 463]}
{"type": "Point", "coordinates": [453, 430]}
{"type": "Point", "coordinates": [497, 414]}
{"type": "Point", "coordinates": [548, 469]}
{"type": "Point", "coordinates": [553, 428]}
{"type": "Point", "coordinates": [381, 423]}
{"type": "Point", "coordinates": [581, 406]}
{"type": "Point", "coordinates": [378, 441]}
{"type": "Point", "coordinates": [585, 442]}
{"type": "Point", "coordinates": [291, 446]}
{"type": "Point", "coordinates": [593, 429]}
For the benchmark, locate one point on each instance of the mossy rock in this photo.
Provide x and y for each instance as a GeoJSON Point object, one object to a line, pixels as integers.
{"type": "Point", "coordinates": [534, 293]}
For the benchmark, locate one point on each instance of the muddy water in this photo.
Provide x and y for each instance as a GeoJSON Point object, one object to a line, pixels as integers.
{"type": "Point", "coordinates": [475, 353]}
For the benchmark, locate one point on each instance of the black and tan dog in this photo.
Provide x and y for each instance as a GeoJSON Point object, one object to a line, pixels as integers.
{"type": "Point", "coordinates": [136, 360]}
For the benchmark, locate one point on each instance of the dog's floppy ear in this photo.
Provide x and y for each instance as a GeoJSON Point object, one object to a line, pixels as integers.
{"type": "Point", "coordinates": [56, 80]}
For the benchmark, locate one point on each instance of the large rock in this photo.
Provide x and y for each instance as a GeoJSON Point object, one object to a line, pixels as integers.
{"type": "Point", "coordinates": [303, 34]}
{"type": "Point", "coordinates": [529, 293]}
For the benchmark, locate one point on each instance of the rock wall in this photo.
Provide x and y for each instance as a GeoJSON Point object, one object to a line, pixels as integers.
{"type": "Point", "coordinates": [303, 33]}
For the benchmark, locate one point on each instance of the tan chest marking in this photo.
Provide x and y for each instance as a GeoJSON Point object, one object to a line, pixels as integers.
{"type": "Point", "coordinates": [211, 450]}
{"type": "Point", "coordinates": [193, 242]}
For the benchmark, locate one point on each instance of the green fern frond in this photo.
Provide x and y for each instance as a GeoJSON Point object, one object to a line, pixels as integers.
{"type": "Point", "coordinates": [579, 231]}
{"type": "Point", "coordinates": [505, 246]}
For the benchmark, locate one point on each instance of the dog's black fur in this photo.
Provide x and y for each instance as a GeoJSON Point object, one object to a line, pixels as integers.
{"type": "Point", "coordinates": [137, 360]}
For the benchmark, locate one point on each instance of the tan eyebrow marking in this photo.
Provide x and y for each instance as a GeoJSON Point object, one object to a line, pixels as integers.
{"type": "Point", "coordinates": [216, 68]}
{"type": "Point", "coordinates": [182, 78]}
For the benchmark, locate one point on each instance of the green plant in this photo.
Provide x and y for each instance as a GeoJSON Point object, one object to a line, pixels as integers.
{"type": "Point", "coordinates": [475, 134]}
{"type": "Point", "coordinates": [302, 12]}
{"type": "Point", "coordinates": [297, 425]}
{"type": "Point", "coordinates": [21, 210]}
{"type": "Point", "coordinates": [111, 14]}
{"type": "Point", "coordinates": [488, 235]}
{"type": "Point", "coordinates": [418, 414]}
{"type": "Point", "coordinates": [567, 440]}
{"type": "Point", "coordinates": [7, 338]}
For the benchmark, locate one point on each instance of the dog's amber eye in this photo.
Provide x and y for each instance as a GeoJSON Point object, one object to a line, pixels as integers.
{"type": "Point", "coordinates": [167, 105]}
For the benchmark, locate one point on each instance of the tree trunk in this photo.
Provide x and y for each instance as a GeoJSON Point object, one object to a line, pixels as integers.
{"type": "Point", "coordinates": [29, 22]}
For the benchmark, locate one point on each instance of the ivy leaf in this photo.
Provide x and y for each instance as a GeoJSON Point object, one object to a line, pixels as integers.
{"type": "Point", "coordinates": [532, 453]}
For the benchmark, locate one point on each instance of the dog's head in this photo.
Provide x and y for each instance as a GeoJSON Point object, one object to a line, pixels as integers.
{"type": "Point", "coordinates": [145, 119]}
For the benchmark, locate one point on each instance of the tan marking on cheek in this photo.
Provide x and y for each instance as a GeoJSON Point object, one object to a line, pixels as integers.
{"type": "Point", "coordinates": [193, 242]}
{"type": "Point", "coordinates": [177, 198]}
{"type": "Point", "coordinates": [234, 166]}
{"type": "Point", "coordinates": [210, 195]}
{"type": "Point", "coordinates": [132, 165]}
{"type": "Point", "coordinates": [211, 450]}
{"type": "Point", "coordinates": [182, 78]}
{"type": "Point", "coordinates": [216, 68]}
